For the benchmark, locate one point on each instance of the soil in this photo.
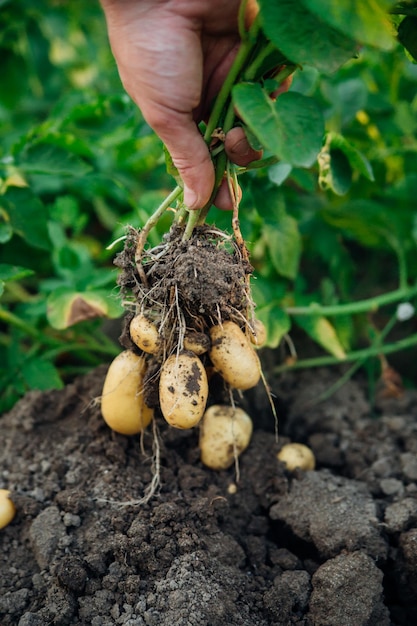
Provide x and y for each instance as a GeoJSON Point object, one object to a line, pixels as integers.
{"type": "Point", "coordinates": [333, 546]}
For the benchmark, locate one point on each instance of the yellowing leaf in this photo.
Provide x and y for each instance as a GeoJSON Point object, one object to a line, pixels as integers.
{"type": "Point", "coordinates": [323, 333]}
{"type": "Point", "coordinates": [66, 307]}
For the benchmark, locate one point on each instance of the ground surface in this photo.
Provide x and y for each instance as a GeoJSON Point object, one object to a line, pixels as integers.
{"type": "Point", "coordinates": [336, 546]}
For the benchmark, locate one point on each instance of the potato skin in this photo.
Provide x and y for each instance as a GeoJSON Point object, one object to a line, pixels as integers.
{"type": "Point", "coordinates": [183, 390]}
{"type": "Point", "coordinates": [144, 334]}
{"type": "Point", "coordinates": [258, 337]}
{"type": "Point", "coordinates": [233, 356]}
{"type": "Point", "coordinates": [7, 508]}
{"type": "Point", "coordinates": [199, 343]}
{"type": "Point", "coordinates": [122, 404]}
{"type": "Point", "coordinates": [225, 430]}
{"type": "Point", "coordinates": [297, 455]}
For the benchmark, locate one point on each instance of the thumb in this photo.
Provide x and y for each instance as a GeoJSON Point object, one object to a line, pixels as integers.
{"type": "Point", "coordinates": [189, 153]}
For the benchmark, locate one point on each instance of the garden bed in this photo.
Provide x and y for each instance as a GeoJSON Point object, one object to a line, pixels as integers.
{"type": "Point", "coordinates": [337, 545]}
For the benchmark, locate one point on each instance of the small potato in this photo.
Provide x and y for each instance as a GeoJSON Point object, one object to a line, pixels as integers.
{"type": "Point", "coordinates": [122, 404]}
{"type": "Point", "coordinates": [183, 390]}
{"type": "Point", "coordinates": [233, 356]}
{"type": "Point", "coordinates": [7, 508]}
{"type": "Point", "coordinates": [297, 455]}
{"type": "Point", "coordinates": [258, 337]}
{"type": "Point", "coordinates": [144, 334]}
{"type": "Point", "coordinates": [225, 432]}
{"type": "Point", "coordinates": [199, 343]}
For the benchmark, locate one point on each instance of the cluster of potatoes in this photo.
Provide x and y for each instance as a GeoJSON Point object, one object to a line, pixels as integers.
{"type": "Point", "coordinates": [225, 431]}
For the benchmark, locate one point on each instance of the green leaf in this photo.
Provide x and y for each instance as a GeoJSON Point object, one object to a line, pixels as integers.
{"type": "Point", "coordinates": [26, 215]}
{"type": "Point", "coordinates": [407, 35]}
{"type": "Point", "coordinates": [280, 230]}
{"type": "Point", "coordinates": [41, 374]}
{"type": "Point", "coordinates": [284, 245]}
{"type": "Point", "coordinates": [279, 172]}
{"type": "Point", "coordinates": [265, 291]}
{"type": "Point", "coordinates": [291, 128]}
{"type": "Point", "coordinates": [323, 333]}
{"type": "Point", "coordinates": [303, 37]}
{"type": "Point", "coordinates": [371, 223]}
{"type": "Point", "coordinates": [49, 159]}
{"type": "Point", "coordinates": [14, 272]}
{"type": "Point", "coordinates": [337, 160]}
{"type": "Point", "coordinates": [366, 21]}
{"type": "Point", "coordinates": [357, 160]}
{"type": "Point", "coordinates": [6, 230]}
{"type": "Point", "coordinates": [276, 321]}
{"type": "Point", "coordinates": [66, 307]}
{"type": "Point", "coordinates": [335, 171]}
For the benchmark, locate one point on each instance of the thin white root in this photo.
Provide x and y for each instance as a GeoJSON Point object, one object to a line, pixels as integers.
{"type": "Point", "coordinates": [153, 488]}
{"type": "Point", "coordinates": [235, 452]}
{"type": "Point", "coordinates": [271, 403]}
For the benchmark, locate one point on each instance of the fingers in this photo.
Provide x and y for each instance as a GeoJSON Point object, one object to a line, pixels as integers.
{"type": "Point", "coordinates": [238, 148]}
{"type": "Point", "coordinates": [223, 198]}
{"type": "Point", "coordinates": [188, 151]}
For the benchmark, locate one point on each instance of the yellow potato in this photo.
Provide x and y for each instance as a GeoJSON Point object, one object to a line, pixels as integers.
{"type": "Point", "coordinates": [183, 390]}
{"type": "Point", "coordinates": [122, 404]}
{"type": "Point", "coordinates": [199, 343]}
{"type": "Point", "coordinates": [7, 508]}
{"type": "Point", "coordinates": [297, 455]}
{"type": "Point", "coordinates": [225, 432]}
{"type": "Point", "coordinates": [233, 356]}
{"type": "Point", "coordinates": [144, 334]}
{"type": "Point", "coordinates": [258, 337]}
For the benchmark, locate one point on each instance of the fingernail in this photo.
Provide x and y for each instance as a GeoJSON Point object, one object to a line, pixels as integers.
{"type": "Point", "coordinates": [190, 198]}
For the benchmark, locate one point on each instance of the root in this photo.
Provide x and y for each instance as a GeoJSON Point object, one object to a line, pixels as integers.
{"type": "Point", "coordinates": [235, 452]}
{"type": "Point", "coordinates": [271, 403]}
{"type": "Point", "coordinates": [152, 489]}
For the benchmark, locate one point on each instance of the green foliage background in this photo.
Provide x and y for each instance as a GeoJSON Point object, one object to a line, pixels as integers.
{"type": "Point", "coordinates": [78, 163]}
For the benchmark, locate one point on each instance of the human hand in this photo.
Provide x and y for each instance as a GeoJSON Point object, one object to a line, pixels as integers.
{"type": "Point", "coordinates": [172, 57]}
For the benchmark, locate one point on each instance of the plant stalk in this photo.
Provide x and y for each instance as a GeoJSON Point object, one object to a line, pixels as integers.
{"type": "Point", "coordinates": [369, 305]}
{"type": "Point", "coordinates": [372, 351]}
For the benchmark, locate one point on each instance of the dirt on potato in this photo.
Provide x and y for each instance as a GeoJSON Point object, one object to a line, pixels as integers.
{"type": "Point", "coordinates": [333, 546]}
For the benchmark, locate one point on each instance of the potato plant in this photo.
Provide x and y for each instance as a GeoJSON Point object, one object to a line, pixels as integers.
{"type": "Point", "coordinates": [78, 164]}
{"type": "Point", "coordinates": [196, 282]}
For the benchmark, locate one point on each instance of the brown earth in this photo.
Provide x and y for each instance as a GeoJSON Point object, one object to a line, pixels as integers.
{"type": "Point", "coordinates": [336, 546]}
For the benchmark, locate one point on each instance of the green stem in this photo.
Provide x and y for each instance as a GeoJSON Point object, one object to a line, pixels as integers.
{"type": "Point", "coordinates": [366, 353]}
{"type": "Point", "coordinates": [241, 20]}
{"type": "Point", "coordinates": [376, 343]}
{"type": "Point", "coordinates": [224, 93]}
{"type": "Point", "coordinates": [255, 165]}
{"type": "Point", "coordinates": [250, 72]}
{"type": "Point", "coordinates": [13, 320]}
{"type": "Point", "coordinates": [193, 220]}
{"type": "Point", "coordinates": [83, 348]}
{"type": "Point", "coordinates": [369, 305]}
{"type": "Point", "coordinates": [162, 208]}
{"type": "Point", "coordinates": [220, 163]}
{"type": "Point", "coordinates": [339, 383]}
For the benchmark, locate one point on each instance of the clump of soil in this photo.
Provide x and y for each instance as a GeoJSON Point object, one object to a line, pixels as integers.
{"type": "Point", "coordinates": [183, 287]}
{"type": "Point", "coordinates": [332, 546]}
{"type": "Point", "coordinates": [205, 276]}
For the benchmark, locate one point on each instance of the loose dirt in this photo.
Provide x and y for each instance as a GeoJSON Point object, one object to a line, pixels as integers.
{"type": "Point", "coordinates": [334, 546]}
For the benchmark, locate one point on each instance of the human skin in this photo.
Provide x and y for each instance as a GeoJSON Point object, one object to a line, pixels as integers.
{"type": "Point", "coordinates": [173, 57]}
